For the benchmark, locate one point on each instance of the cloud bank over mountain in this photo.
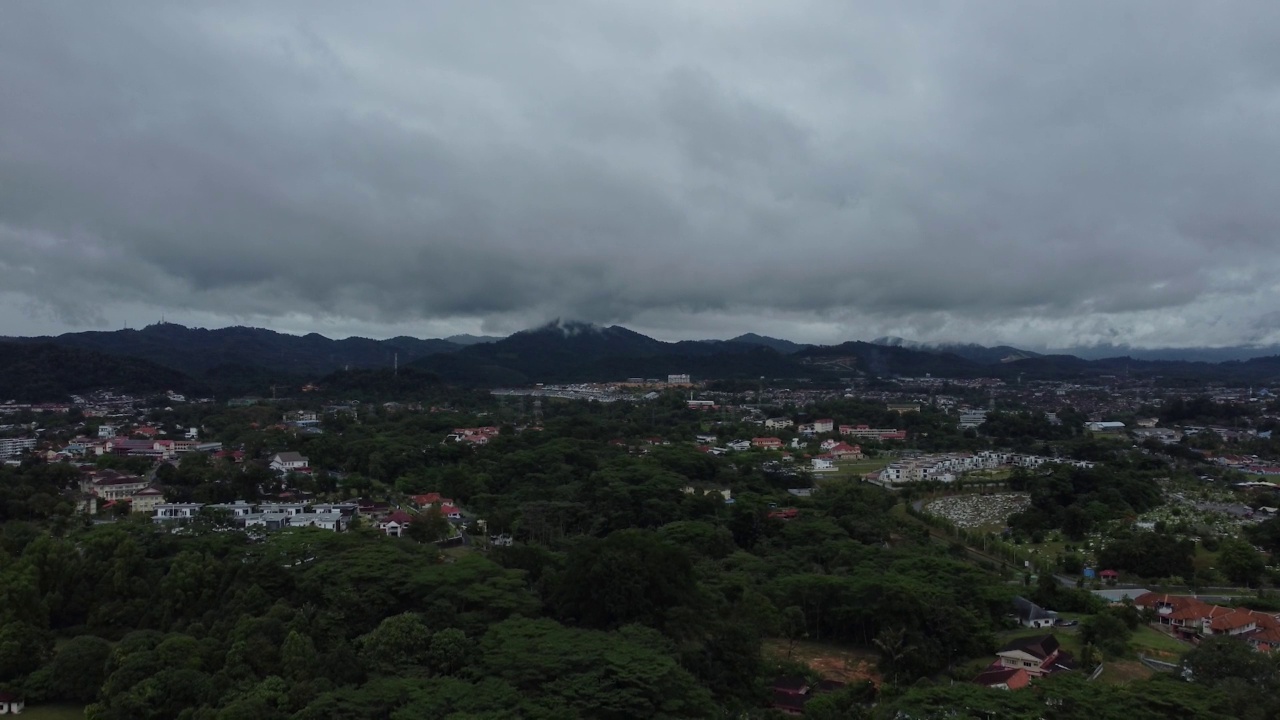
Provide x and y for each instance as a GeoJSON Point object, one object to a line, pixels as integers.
{"type": "Point", "coordinates": [1050, 175]}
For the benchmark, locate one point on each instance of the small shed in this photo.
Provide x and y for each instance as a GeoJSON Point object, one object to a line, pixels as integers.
{"type": "Point", "coordinates": [11, 704]}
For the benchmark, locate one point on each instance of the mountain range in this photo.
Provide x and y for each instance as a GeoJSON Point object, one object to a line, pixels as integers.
{"type": "Point", "coordinates": [243, 360]}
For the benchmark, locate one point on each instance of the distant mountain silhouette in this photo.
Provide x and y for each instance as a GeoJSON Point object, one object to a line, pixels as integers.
{"type": "Point", "coordinates": [786, 347]}
{"type": "Point", "coordinates": [41, 372]}
{"type": "Point", "coordinates": [242, 360]}
{"type": "Point", "coordinates": [882, 360]}
{"type": "Point", "coordinates": [569, 351]}
{"type": "Point", "coordinates": [465, 339]}
{"type": "Point", "coordinates": [196, 350]}
{"type": "Point", "coordinates": [1193, 354]}
{"type": "Point", "coordinates": [969, 351]}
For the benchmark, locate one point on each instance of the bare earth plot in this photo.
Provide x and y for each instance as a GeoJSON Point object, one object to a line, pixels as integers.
{"type": "Point", "coordinates": [830, 661]}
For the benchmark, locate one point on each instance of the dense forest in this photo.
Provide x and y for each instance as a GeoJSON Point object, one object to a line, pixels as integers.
{"type": "Point", "coordinates": [632, 589]}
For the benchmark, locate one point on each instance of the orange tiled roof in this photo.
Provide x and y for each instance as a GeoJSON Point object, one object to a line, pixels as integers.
{"type": "Point", "coordinates": [1232, 619]}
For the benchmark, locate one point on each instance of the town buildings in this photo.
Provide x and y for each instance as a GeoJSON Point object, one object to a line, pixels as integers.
{"type": "Point", "coordinates": [9, 447]}
{"type": "Point", "coordinates": [947, 467]}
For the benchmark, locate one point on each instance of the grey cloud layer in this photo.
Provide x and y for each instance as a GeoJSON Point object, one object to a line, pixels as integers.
{"type": "Point", "coordinates": [1070, 170]}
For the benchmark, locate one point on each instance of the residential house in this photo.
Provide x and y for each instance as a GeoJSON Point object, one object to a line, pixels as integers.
{"type": "Point", "coordinates": [784, 513]}
{"type": "Point", "coordinates": [817, 426]}
{"type": "Point", "coordinates": [821, 464]}
{"type": "Point", "coordinates": [779, 423]}
{"type": "Point", "coordinates": [450, 511]}
{"type": "Point", "coordinates": [288, 462]}
{"type": "Point", "coordinates": [845, 451]}
{"type": "Point", "coordinates": [1038, 656]}
{"type": "Point", "coordinates": [998, 677]}
{"type": "Point", "coordinates": [331, 521]}
{"type": "Point", "coordinates": [739, 445]}
{"type": "Point", "coordinates": [238, 510]}
{"type": "Point", "coordinates": [428, 499]}
{"type": "Point", "coordinates": [267, 520]}
{"type": "Point", "coordinates": [11, 704]}
{"type": "Point", "coordinates": [284, 508]}
{"type": "Point", "coordinates": [145, 500]}
{"type": "Point", "coordinates": [396, 523]}
{"type": "Point", "coordinates": [1032, 615]}
{"type": "Point", "coordinates": [176, 512]}
{"type": "Point", "coordinates": [767, 443]}
{"type": "Point", "coordinates": [374, 509]}
{"type": "Point", "coordinates": [347, 510]}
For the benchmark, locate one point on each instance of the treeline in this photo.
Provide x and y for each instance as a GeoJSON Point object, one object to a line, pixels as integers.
{"type": "Point", "coordinates": [1077, 499]}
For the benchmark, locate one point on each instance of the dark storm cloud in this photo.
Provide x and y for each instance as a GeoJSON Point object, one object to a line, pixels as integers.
{"type": "Point", "coordinates": [1054, 173]}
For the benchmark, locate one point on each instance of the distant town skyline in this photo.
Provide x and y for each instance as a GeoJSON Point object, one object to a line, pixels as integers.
{"type": "Point", "coordinates": [1041, 175]}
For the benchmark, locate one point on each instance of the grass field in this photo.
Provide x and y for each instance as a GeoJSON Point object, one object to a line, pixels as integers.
{"type": "Point", "coordinates": [53, 712]}
{"type": "Point", "coordinates": [1152, 642]}
{"type": "Point", "coordinates": [1122, 672]}
{"type": "Point", "coordinates": [858, 468]}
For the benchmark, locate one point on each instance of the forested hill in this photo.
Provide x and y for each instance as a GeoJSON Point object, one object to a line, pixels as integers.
{"type": "Point", "coordinates": [44, 372]}
{"type": "Point", "coordinates": [242, 360]}
{"type": "Point", "coordinates": [574, 352]}
{"type": "Point", "coordinates": [197, 350]}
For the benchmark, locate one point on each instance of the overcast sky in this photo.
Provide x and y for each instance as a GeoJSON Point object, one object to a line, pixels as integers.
{"type": "Point", "coordinates": [1044, 174]}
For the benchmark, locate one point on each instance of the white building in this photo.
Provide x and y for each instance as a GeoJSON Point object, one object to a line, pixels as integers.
{"type": "Point", "coordinates": [171, 512]}
{"type": "Point", "coordinates": [331, 521]}
{"type": "Point", "coordinates": [106, 432]}
{"type": "Point", "coordinates": [682, 379]}
{"type": "Point", "coordinates": [288, 462]}
{"type": "Point", "coordinates": [10, 704]}
{"type": "Point", "coordinates": [779, 422]}
{"type": "Point", "coordinates": [16, 446]}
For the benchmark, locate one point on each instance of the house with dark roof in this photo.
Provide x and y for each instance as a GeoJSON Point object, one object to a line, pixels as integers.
{"type": "Point", "coordinates": [998, 677]}
{"type": "Point", "coordinates": [789, 694]}
{"type": "Point", "coordinates": [1032, 615]}
{"type": "Point", "coordinates": [1039, 655]}
{"type": "Point", "coordinates": [396, 523]}
{"type": "Point", "coordinates": [288, 462]}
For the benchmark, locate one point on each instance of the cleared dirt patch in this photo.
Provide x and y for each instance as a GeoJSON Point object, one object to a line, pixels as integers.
{"type": "Point", "coordinates": [832, 662]}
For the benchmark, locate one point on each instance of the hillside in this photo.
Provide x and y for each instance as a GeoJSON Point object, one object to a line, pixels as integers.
{"type": "Point", "coordinates": [786, 347]}
{"type": "Point", "coordinates": [872, 359]}
{"type": "Point", "coordinates": [43, 372]}
{"type": "Point", "coordinates": [969, 351]}
{"type": "Point", "coordinates": [570, 351]}
{"type": "Point", "coordinates": [196, 350]}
